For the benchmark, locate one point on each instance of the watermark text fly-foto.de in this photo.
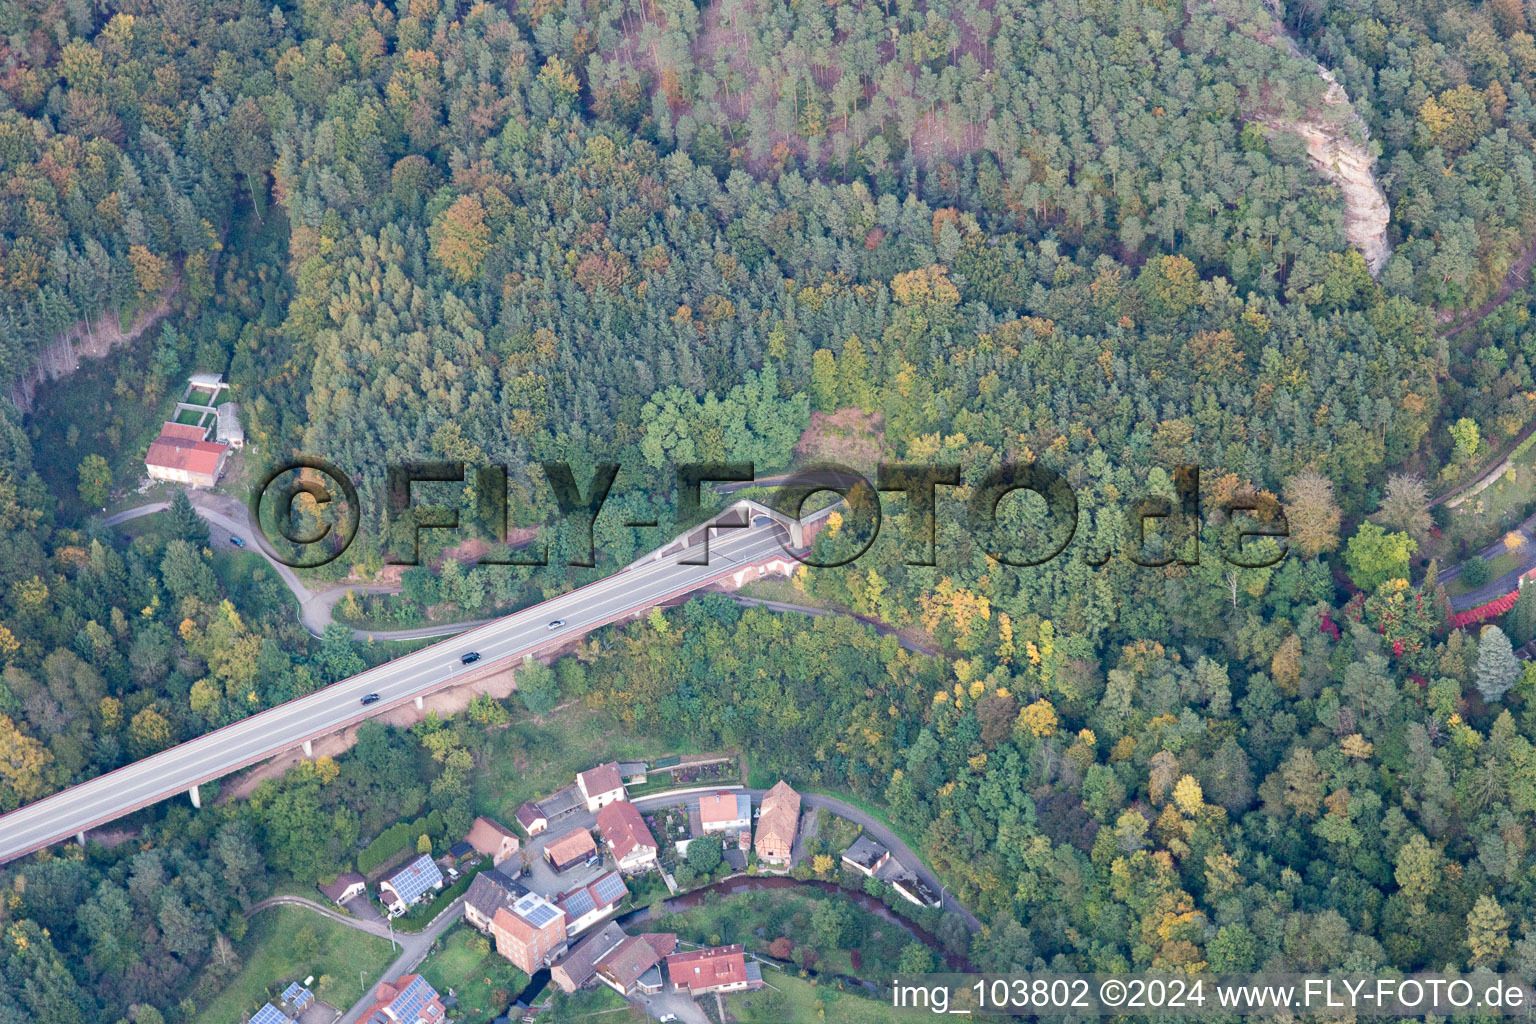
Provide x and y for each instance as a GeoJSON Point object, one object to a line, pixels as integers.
{"type": "Point", "coordinates": [1019, 514]}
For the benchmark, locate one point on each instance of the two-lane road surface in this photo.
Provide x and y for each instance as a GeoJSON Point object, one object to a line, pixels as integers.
{"type": "Point", "coordinates": [397, 682]}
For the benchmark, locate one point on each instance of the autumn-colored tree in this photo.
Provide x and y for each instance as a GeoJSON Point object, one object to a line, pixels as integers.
{"type": "Point", "coordinates": [24, 764]}
{"type": "Point", "coordinates": [1405, 506]}
{"type": "Point", "coordinates": [148, 733]}
{"type": "Point", "coordinates": [461, 239]}
{"type": "Point", "coordinates": [1311, 513]}
{"type": "Point", "coordinates": [1487, 932]}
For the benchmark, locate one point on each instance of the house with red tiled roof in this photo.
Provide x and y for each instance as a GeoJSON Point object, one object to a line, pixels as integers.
{"type": "Point", "coordinates": [623, 829]}
{"type": "Point", "coordinates": [717, 969]}
{"type": "Point", "coordinates": [574, 847]}
{"type": "Point", "coordinates": [183, 454]}
{"type": "Point", "coordinates": [725, 811]}
{"type": "Point", "coordinates": [601, 786]}
{"type": "Point", "coordinates": [493, 839]}
{"type": "Point", "coordinates": [777, 823]}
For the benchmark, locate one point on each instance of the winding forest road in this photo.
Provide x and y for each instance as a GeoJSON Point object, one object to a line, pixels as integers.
{"type": "Point", "coordinates": [228, 518]}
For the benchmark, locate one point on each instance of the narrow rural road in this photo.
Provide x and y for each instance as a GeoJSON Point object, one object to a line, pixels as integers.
{"type": "Point", "coordinates": [229, 518]}
{"type": "Point", "coordinates": [414, 948]}
{"type": "Point", "coordinates": [378, 928]}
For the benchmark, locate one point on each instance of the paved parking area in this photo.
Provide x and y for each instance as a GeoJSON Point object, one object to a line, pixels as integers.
{"type": "Point", "coordinates": [363, 908]}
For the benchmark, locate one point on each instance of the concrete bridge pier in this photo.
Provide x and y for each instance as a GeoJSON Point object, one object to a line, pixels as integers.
{"type": "Point", "coordinates": [197, 799]}
{"type": "Point", "coordinates": [309, 748]}
{"type": "Point", "coordinates": [420, 704]}
{"type": "Point", "coordinates": [80, 838]}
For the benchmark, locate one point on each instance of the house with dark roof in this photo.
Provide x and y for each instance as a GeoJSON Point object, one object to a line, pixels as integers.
{"type": "Point", "coordinates": [914, 890]}
{"type": "Point", "coordinates": [489, 892]}
{"type": "Point", "coordinates": [624, 830]}
{"type": "Point", "coordinates": [778, 821]}
{"type": "Point", "coordinates": [408, 999]}
{"type": "Point", "coordinates": [601, 786]}
{"type": "Point", "coordinates": [531, 818]}
{"type": "Point", "coordinates": [585, 906]}
{"type": "Point", "coordinates": [717, 969]}
{"type": "Point", "coordinates": [492, 839]}
{"type": "Point", "coordinates": [410, 885]}
{"type": "Point", "coordinates": [574, 847]}
{"type": "Point", "coordinates": [345, 887]}
{"type": "Point", "coordinates": [634, 965]}
{"type": "Point", "coordinates": [580, 965]}
{"type": "Point", "coordinates": [866, 855]}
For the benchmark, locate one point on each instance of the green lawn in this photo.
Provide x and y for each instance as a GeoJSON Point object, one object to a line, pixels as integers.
{"type": "Point", "coordinates": [1509, 561]}
{"type": "Point", "coordinates": [598, 1003]}
{"type": "Point", "coordinates": [528, 761]}
{"type": "Point", "coordinates": [483, 981]}
{"type": "Point", "coordinates": [197, 396]}
{"type": "Point", "coordinates": [191, 416]}
{"type": "Point", "coordinates": [270, 961]}
{"type": "Point", "coordinates": [1483, 518]}
{"type": "Point", "coordinates": [792, 998]}
{"type": "Point", "coordinates": [787, 912]}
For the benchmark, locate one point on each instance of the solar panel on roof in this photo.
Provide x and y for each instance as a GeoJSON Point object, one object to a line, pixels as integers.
{"type": "Point", "coordinates": [419, 876]}
{"type": "Point", "coordinates": [579, 903]}
{"type": "Point", "coordinates": [610, 888]}
{"type": "Point", "coordinates": [407, 1005]}
{"type": "Point", "coordinates": [541, 914]}
{"type": "Point", "coordinates": [269, 1014]}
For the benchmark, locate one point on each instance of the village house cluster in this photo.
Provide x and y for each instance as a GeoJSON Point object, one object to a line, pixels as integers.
{"type": "Point", "coordinates": [547, 899]}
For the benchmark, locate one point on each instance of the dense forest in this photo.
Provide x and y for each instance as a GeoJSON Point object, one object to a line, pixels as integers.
{"type": "Point", "coordinates": [660, 231]}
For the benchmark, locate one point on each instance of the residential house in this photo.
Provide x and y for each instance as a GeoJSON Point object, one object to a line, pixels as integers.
{"type": "Point", "coordinates": [725, 812]}
{"type": "Point", "coordinates": [493, 839]}
{"type": "Point", "coordinates": [530, 933]}
{"type": "Point", "coordinates": [489, 892]}
{"type": "Point", "coordinates": [585, 906]}
{"type": "Point", "coordinates": [601, 786]}
{"type": "Point", "coordinates": [532, 819]}
{"type": "Point", "coordinates": [623, 829]}
{"type": "Point", "coordinates": [183, 454]}
{"type": "Point", "coordinates": [915, 890]}
{"type": "Point", "coordinates": [580, 965]}
{"type": "Point", "coordinates": [406, 1000]}
{"type": "Point", "coordinates": [410, 885]}
{"type": "Point", "coordinates": [718, 969]}
{"type": "Point", "coordinates": [297, 998]}
{"type": "Point", "coordinates": [634, 965]}
{"type": "Point", "coordinates": [574, 847]}
{"type": "Point", "coordinates": [345, 887]}
{"type": "Point", "coordinates": [866, 855]}
{"type": "Point", "coordinates": [633, 772]}
{"type": "Point", "coordinates": [269, 1014]}
{"type": "Point", "coordinates": [777, 822]}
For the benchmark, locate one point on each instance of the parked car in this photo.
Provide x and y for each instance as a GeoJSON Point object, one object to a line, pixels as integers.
{"type": "Point", "coordinates": [237, 541]}
{"type": "Point", "coordinates": [469, 658]}
{"type": "Point", "coordinates": [371, 698]}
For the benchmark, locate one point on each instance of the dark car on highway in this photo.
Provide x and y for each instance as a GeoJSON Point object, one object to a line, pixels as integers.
{"type": "Point", "coordinates": [371, 698]}
{"type": "Point", "coordinates": [470, 658]}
